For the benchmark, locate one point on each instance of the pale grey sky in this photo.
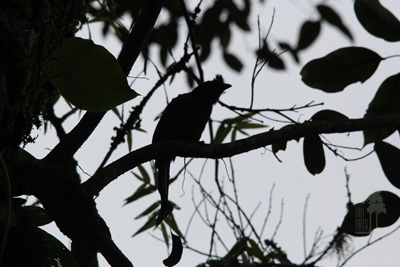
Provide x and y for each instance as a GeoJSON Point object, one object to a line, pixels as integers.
{"type": "Point", "coordinates": [258, 170]}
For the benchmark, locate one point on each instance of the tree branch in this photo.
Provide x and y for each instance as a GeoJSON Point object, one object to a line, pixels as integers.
{"type": "Point", "coordinates": [71, 142]}
{"type": "Point", "coordinates": [135, 41]}
{"type": "Point", "coordinates": [130, 51]}
{"type": "Point", "coordinates": [55, 121]}
{"type": "Point", "coordinates": [190, 23]}
{"type": "Point", "coordinates": [196, 150]}
{"type": "Point", "coordinates": [58, 188]}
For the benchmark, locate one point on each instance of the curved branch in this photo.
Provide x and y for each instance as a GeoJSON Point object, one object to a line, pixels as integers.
{"type": "Point", "coordinates": [196, 150]}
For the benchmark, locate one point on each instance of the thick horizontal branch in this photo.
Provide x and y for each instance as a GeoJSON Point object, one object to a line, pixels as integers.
{"type": "Point", "coordinates": [196, 150]}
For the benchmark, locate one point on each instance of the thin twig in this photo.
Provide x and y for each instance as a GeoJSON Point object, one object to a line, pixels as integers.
{"type": "Point", "coordinates": [269, 209]}
{"type": "Point", "coordinates": [256, 69]}
{"type": "Point", "coordinates": [304, 226]}
{"type": "Point", "coordinates": [369, 244]}
{"type": "Point", "coordinates": [280, 221]}
{"type": "Point", "coordinates": [349, 202]}
{"type": "Point", "coordinates": [189, 24]}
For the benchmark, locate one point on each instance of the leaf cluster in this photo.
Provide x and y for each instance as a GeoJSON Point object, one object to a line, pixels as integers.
{"type": "Point", "coordinates": [334, 73]}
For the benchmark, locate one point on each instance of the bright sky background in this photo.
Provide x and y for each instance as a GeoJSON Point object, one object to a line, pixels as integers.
{"type": "Point", "coordinates": [257, 171]}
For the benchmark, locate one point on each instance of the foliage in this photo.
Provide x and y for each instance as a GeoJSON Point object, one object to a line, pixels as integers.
{"type": "Point", "coordinates": [90, 78]}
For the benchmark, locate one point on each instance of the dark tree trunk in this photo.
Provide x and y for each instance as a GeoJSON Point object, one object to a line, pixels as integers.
{"type": "Point", "coordinates": [30, 31]}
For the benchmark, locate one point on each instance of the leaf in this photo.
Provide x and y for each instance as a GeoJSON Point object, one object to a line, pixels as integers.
{"type": "Point", "coordinates": [340, 68]}
{"type": "Point", "coordinates": [380, 209]}
{"type": "Point", "coordinates": [386, 101]}
{"type": "Point", "coordinates": [328, 114]}
{"type": "Point", "coordinates": [234, 125]}
{"type": "Point", "coordinates": [176, 252]}
{"type": "Point", "coordinates": [237, 249]}
{"type": "Point", "coordinates": [276, 63]}
{"type": "Point", "coordinates": [233, 135]}
{"type": "Point", "coordinates": [143, 176]}
{"type": "Point", "coordinates": [387, 98]}
{"type": "Point", "coordinates": [308, 33]}
{"type": "Point", "coordinates": [314, 157]}
{"type": "Point", "coordinates": [233, 61]}
{"type": "Point", "coordinates": [330, 16]}
{"type": "Point", "coordinates": [165, 234]}
{"type": "Point", "coordinates": [189, 77]}
{"type": "Point", "coordinates": [149, 210]}
{"type": "Point", "coordinates": [142, 191]}
{"type": "Point", "coordinates": [149, 224]}
{"type": "Point", "coordinates": [170, 221]}
{"type": "Point", "coordinates": [37, 215]}
{"type": "Point", "coordinates": [255, 250]}
{"type": "Point", "coordinates": [266, 55]}
{"type": "Point", "coordinates": [377, 20]}
{"type": "Point", "coordinates": [288, 48]}
{"type": "Point", "coordinates": [241, 20]}
{"type": "Point", "coordinates": [144, 173]}
{"type": "Point", "coordinates": [239, 118]}
{"type": "Point", "coordinates": [129, 139]}
{"type": "Point", "coordinates": [58, 254]}
{"type": "Point", "coordinates": [116, 112]}
{"type": "Point", "coordinates": [248, 125]}
{"type": "Point", "coordinates": [225, 37]}
{"type": "Point", "coordinates": [389, 157]}
{"type": "Point", "coordinates": [222, 133]}
{"type": "Point", "coordinates": [88, 76]}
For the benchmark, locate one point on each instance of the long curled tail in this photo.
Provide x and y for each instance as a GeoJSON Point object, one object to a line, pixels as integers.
{"type": "Point", "coordinates": [162, 187]}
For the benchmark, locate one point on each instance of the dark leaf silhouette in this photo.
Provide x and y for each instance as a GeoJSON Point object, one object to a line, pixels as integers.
{"type": "Point", "coordinates": [389, 157]}
{"type": "Point", "coordinates": [328, 114]}
{"type": "Point", "coordinates": [271, 57]}
{"type": "Point", "coordinates": [314, 157]}
{"type": "Point", "coordinates": [287, 48]}
{"type": "Point", "coordinates": [233, 61]}
{"type": "Point", "coordinates": [385, 102]}
{"type": "Point", "coordinates": [329, 15]}
{"type": "Point", "coordinates": [37, 215]}
{"type": "Point", "coordinates": [58, 254]}
{"type": "Point", "coordinates": [340, 68]}
{"type": "Point", "coordinates": [89, 76]}
{"type": "Point", "coordinates": [308, 33]}
{"type": "Point", "coordinates": [377, 20]}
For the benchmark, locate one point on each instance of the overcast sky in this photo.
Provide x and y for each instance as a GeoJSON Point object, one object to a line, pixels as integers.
{"type": "Point", "coordinates": [257, 171]}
